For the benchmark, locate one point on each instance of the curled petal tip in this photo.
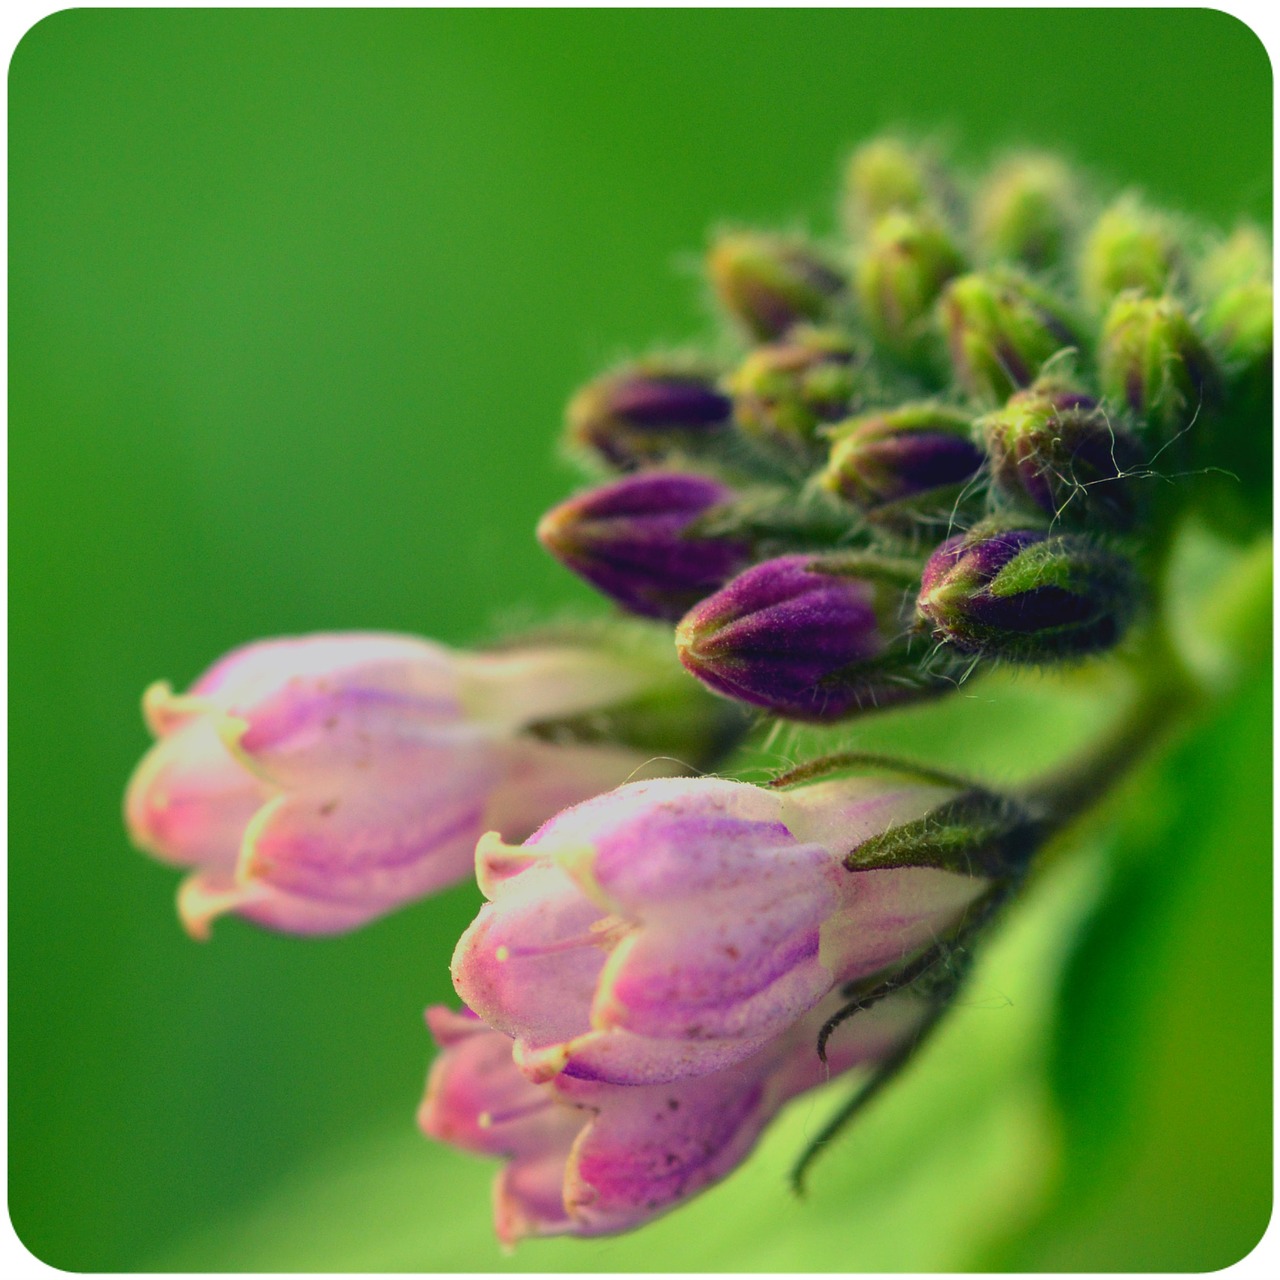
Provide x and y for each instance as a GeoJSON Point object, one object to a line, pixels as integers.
{"type": "Point", "coordinates": [164, 711]}
{"type": "Point", "coordinates": [203, 898]}
{"type": "Point", "coordinates": [497, 861]}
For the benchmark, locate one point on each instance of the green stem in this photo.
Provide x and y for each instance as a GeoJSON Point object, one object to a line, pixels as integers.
{"type": "Point", "coordinates": [1167, 695]}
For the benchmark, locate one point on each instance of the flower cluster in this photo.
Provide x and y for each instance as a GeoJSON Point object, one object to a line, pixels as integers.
{"type": "Point", "coordinates": [651, 978]}
{"type": "Point", "coordinates": [939, 449]}
{"type": "Point", "coordinates": [940, 445]}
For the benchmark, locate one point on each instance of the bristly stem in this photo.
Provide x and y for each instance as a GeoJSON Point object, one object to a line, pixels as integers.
{"type": "Point", "coordinates": [1166, 696]}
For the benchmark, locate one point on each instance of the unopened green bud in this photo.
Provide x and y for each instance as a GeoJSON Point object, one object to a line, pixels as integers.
{"type": "Point", "coordinates": [1026, 210]}
{"type": "Point", "coordinates": [769, 283]}
{"type": "Point", "coordinates": [1239, 323]}
{"type": "Point", "coordinates": [1235, 282]}
{"type": "Point", "coordinates": [1151, 359]}
{"type": "Point", "coordinates": [908, 260]}
{"type": "Point", "coordinates": [1000, 330]}
{"type": "Point", "coordinates": [1243, 258]}
{"type": "Point", "coordinates": [1054, 449]}
{"type": "Point", "coordinates": [906, 466]}
{"type": "Point", "coordinates": [1130, 248]}
{"type": "Point", "coordinates": [887, 175]}
{"type": "Point", "coordinates": [783, 392]}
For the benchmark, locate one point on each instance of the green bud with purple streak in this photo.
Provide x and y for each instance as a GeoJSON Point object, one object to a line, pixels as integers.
{"type": "Point", "coordinates": [1026, 596]}
{"type": "Point", "coordinates": [905, 466]}
{"type": "Point", "coordinates": [1001, 330]}
{"type": "Point", "coordinates": [1130, 248]}
{"type": "Point", "coordinates": [1151, 359]}
{"type": "Point", "coordinates": [643, 413]}
{"type": "Point", "coordinates": [890, 175]}
{"type": "Point", "coordinates": [1055, 449]}
{"type": "Point", "coordinates": [901, 272]}
{"type": "Point", "coordinates": [784, 391]}
{"type": "Point", "coordinates": [1026, 211]}
{"type": "Point", "coordinates": [768, 283]}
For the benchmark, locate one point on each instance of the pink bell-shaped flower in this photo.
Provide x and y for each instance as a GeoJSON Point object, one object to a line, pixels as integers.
{"type": "Point", "coordinates": [314, 784]}
{"type": "Point", "coordinates": [587, 1158]}
{"type": "Point", "coordinates": [674, 927]}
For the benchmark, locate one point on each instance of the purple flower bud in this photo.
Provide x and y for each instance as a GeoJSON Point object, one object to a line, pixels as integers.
{"type": "Point", "coordinates": [635, 541]}
{"type": "Point", "coordinates": [1054, 448]}
{"type": "Point", "coordinates": [784, 391]}
{"type": "Point", "coordinates": [648, 411]}
{"type": "Point", "coordinates": [769, 283]}
{"type": "Point", "coordinates": [314, 784]}
{"type": "Point", "coordinates": [1025, 595]}
{"type": "Point", "coordinates": [1001, 329]}
{"type": "Point", "coordinates": [899, 276]}
{"type": "Point", "coordinates": [807, 637]}
{"type": "Point", "coordinates": [671, 929]}
{"type": "Point", "coordinates": [1151, 359]}
{"type": "Point", "coordinates": [904, 465]}
{"type": "Point", "coordinates": [589, 1158]}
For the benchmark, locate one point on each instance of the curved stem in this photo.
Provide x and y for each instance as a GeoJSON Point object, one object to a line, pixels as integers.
{"type": "Point", "coordinates": [1167, 695]}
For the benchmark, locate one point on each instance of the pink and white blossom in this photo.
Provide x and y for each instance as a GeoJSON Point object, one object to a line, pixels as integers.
{"type": "Point", "coordinates": [586, 1157]}
{"type": "Point", "coordinates": [672, 928]}
{"type": "Point", "coordinates": [314, 784]}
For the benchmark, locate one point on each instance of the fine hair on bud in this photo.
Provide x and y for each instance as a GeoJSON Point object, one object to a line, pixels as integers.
{"type": "Point", "coordinates": [768, 283]}
{"type": "Point", "coordinates": [1055, 450]}
{"type": "Point", "coordinates": [1026, 596]}
{"type": "Point", "coordinates": [648, 411]}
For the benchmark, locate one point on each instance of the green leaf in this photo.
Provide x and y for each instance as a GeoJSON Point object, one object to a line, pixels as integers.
{"type": "Point", "coordinates": [1161, 1061]}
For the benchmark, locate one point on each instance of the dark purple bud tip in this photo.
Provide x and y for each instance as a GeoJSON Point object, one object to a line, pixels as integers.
{"type": "Point", "coordinates": [633, 541]}
{"type": "Point", "coordinates": [644, 412]}
{"type": "Point", "coordinates": [803, 638]}
{"type": "Point", "coordinates": [769, 283]}
{"type": "Point", "coordinates": [903, 465]}
{"type": "Point", "coordinates": [1027, 596]}
{"type": "Point", "coordinates": [1055, 449]}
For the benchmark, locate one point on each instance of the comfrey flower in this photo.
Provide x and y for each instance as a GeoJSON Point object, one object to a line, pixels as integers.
{"type": "Point", "coordinates": [314, 784]}
{"type": "Point", "coordinates": [589, 1158]}
{"type": "Point", "coordinates": [673, 928]}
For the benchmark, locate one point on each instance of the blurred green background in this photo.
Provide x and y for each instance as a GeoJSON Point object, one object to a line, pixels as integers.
{"type": "Point", "coordinates": [296, 300]}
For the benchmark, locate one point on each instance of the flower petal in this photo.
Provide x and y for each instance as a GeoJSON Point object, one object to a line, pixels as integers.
{"type": "Point", "coordinates": [528, 963]}
{"type": "Point", "coordinates": [371, 849]}
{"type": "Point", "coordinates": [189, 800]}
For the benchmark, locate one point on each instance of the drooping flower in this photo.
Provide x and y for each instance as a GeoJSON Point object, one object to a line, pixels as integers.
{"type": "Point", "coordinates": [589, 1158]}
{"type": "Point", "coordinates": [672, 928]}
{"type": "Point", "coordinates": [314, 784]}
